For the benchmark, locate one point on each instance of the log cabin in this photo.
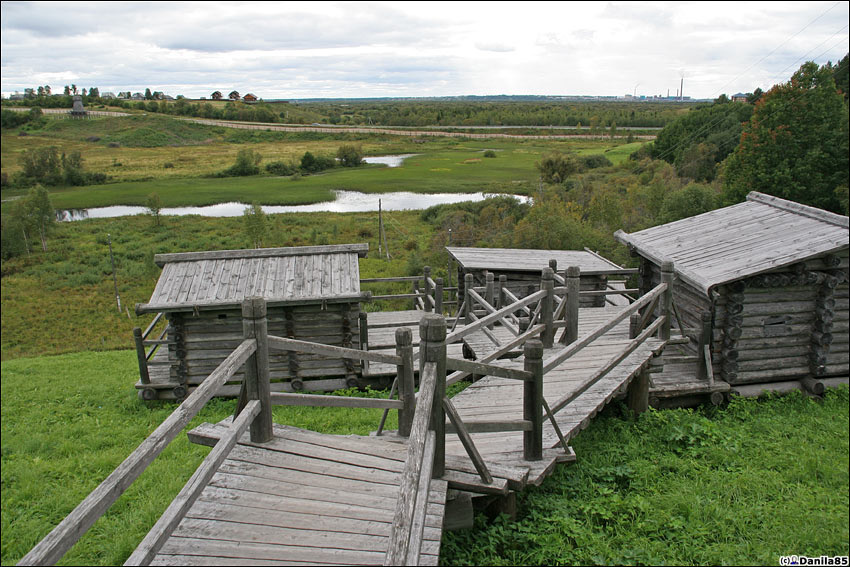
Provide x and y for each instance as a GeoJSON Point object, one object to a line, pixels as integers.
{"type": "Point", "coordinates": [763, 282]}
{"type": "Point", "coordinates": [522, 269]}
{"type": "Point", "coordinates": [312, 292]}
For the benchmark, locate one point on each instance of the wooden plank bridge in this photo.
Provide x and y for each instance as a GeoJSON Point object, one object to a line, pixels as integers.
{"type": "Point", "coordinates": [275, 494]}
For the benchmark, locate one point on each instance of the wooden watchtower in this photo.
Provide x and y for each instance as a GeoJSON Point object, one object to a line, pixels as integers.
{"type": "Point", "coordinates": [312, 292]}
{"type": "Point", "coordinates": [763, 282]}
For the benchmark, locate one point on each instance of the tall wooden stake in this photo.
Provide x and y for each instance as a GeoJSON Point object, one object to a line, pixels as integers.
{"type": "Point", "coordinates": [114, 277]}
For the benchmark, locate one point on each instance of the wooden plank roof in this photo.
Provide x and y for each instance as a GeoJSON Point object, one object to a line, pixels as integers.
{"type": "Point", "coordinates": [522, 260]}
{"type": "Point", "coordinates": [222, 279]}
{"type": "Point", "coordinates": [759, 235]}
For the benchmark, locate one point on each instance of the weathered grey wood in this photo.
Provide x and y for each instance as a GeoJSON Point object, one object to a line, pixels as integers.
{"type": "Point", "coordinates": [50, 549]}
{"type": "Point", "coordinates": [532, 401]}
{"type": "Point", "coordinates": [547, 312]}
{"type": "Point", "coordinates": [466, 440]}
{"type": "Point", "coordinates": [638, 393]}
{"type": "Point", "coordinates": [280, 343]}
{"type": "Point", "coordinates": [175, 512]}
{"type": "Point", "coordinates": [417, 528]}
{"type": "Point", "coordinates": [490, 309]}
{"type": "Point", "coordinates": [286, 399]}
{"type": "Point", "coordinates": [162, 259]}
{"type": "Point", "coordinates": [492, 426]}
{"type": "Point", "coordinates": [609, 365]}
{"type": "Point", "coordinates": [255, 326]}
{"type": "Point", "coordinates": [142, 358]}
{"type": "Point", "coordinates": [534, 331]}
{"type": "Point", "coordinates": [484, 369]}
{"type": "Point", "coordinates": [559, 357]}
{"type": "Point", "coordinates": [406, 393]}
{"type": "Point", "coordinates": [432, 348]}
{"type": "Point", "coordinates": [493, 317]}
{"type": "Point", "coordinates": [572, 277]}
{"type": "Point", "coordinates": [438, 296]}
{"type": "Point", "coordinates": [468, 306]}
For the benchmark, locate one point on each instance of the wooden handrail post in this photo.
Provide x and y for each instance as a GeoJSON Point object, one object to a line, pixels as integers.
{"type": "Point", "coordinates": [438, 296]}
{"type": "Point", "coordinates": [257, 385]}
{"type": "Point", "coordinates": [553, 263]}
{"type": "Point", "coordinates": [489, 288]}
{"type": "Point", "coordinates": [500, 291]}
{"type": "Point", "coordinates": [547, 284]}
{"type": "Point", "coordinates": [467, 299]}
{"type": "Point", "coordinates": [432, 348]}
{"type": "Point", "coordinates": [634, 325]}
{"type": "Point", "coordinates": [406, 387]}
{"type": "Point", "coordinates": [667, 276]}
{"type": "Point", "coordinates": [572, 279]}
{"type": "Point", "coordinates": [426, 276]}
{"type": "Point", "coordinates": [532, 401]}
{"type": "Point", "coordinates": [363, 324]}
{"type": "Point", "coordinates": [704, 339]}
{"type": "Point", "coordinates": [140, 354]}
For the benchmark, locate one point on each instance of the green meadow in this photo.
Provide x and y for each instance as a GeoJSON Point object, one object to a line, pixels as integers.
{"type": "Point", "coordinates": [740, 485]}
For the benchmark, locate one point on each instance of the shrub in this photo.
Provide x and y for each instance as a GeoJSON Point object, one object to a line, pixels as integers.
{"type": "Point", "coordinates": [349, 155]}
{"type": "Point", "coordinates": [555, 167]}
{"type": "Point", "coordinates": [594, 161]}
{"type": "Point", "coordinates": [280, 168]}
{"type": "Point", "coordinates": [247, 163]}
{"type": "Point", "coordinates": [168, 165]}
{"type": "Point", "coordinates": [490, 153]}
{"type": "Point", "coordinates": [314, 164]}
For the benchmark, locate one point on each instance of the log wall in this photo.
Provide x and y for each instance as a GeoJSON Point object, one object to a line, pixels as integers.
{"type": "Point", "coordinates": [787, 324]}
{"type": "Point", "coordinates": [200, 342]}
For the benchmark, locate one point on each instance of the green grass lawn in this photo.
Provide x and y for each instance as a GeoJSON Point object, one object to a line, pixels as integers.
{"type": "Point", "coordinates": [740, 485]}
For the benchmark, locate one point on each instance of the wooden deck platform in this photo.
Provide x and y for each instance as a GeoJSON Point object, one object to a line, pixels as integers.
{"type": "Point", "coordinates": [304, 498]}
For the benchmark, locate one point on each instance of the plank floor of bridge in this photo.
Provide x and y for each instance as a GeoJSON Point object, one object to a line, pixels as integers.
{"type": "Point", "coordinates": [304, 498]}
{"type": "Point", "coordinates": [493, 398]}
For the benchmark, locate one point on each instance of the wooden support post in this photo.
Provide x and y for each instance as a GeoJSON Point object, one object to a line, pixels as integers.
{"type": "Point", "coordinates": [438, 296]}
{"type": "Point", "coordinates": [426, 277]}
{"type": "Point", "coordinates": [432, 348]}
{"type": "Point", "coordinates": [140, 354]}
{"type": "Point", "coordinates": [500, 291]}
{"type": "Point", "coordinates": [489, 288]}
{"type": "Point", "coordinates": [572, 279]}
{"type": "Point", "coordinates": [467, 299]}
{"type": "Point", "coordinates": [704, 340]}
{"type": "Point", "coordinates": [414, 289]}
{"type": "Point", "coordinates": [406, 387]}
{"type": "Point", "coordinates": [637, 395]}
{"type": "Point", "coordinates": [532, 401]}
{"type": "Point", "coordinates": [547, 284]}
{"type": "Point", "coordinates": [257, 385]}
{"type": "Point", "coordinates": [667, 276]}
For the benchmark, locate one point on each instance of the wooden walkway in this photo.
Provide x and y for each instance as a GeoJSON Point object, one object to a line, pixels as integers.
{"type": "Point", "coordinates": [499, 398]}
{"type": "Point", "coordinates": [304, 498]}
{"type": "Point", "coordinates": [270, 494]}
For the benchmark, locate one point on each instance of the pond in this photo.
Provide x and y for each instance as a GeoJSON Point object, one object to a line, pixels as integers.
{"type": "Point", "coordinates": [345, 202]}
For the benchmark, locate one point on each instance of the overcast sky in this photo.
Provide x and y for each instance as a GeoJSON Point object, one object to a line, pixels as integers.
{"type": "Point", "coordinates": [412, 49]}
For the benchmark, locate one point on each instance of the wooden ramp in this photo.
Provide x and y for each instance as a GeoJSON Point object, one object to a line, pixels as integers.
{"type": "Point", "coordinates": [304, 498]}
{"type": "Point", "coordinates": [494, 398]}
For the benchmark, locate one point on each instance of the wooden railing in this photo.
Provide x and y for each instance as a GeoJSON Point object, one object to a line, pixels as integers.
{"type": "Point", "coordinates": [141, 340]}
{"type": "Point", "coordinates": [426, 294]}
{"type": "Point", "coordinates": [251, 353]}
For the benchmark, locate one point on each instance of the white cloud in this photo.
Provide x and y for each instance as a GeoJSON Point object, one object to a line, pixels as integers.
{"type": "Point", "coordinates": [306, 49]}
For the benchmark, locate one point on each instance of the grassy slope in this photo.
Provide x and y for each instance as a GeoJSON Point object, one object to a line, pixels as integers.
{"type": "Point", "coordinates": [58, 450]}
{"type": "Point", "coordinates": [735, 486]}
{"type": "Point", "coordinates": [64, 301]}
